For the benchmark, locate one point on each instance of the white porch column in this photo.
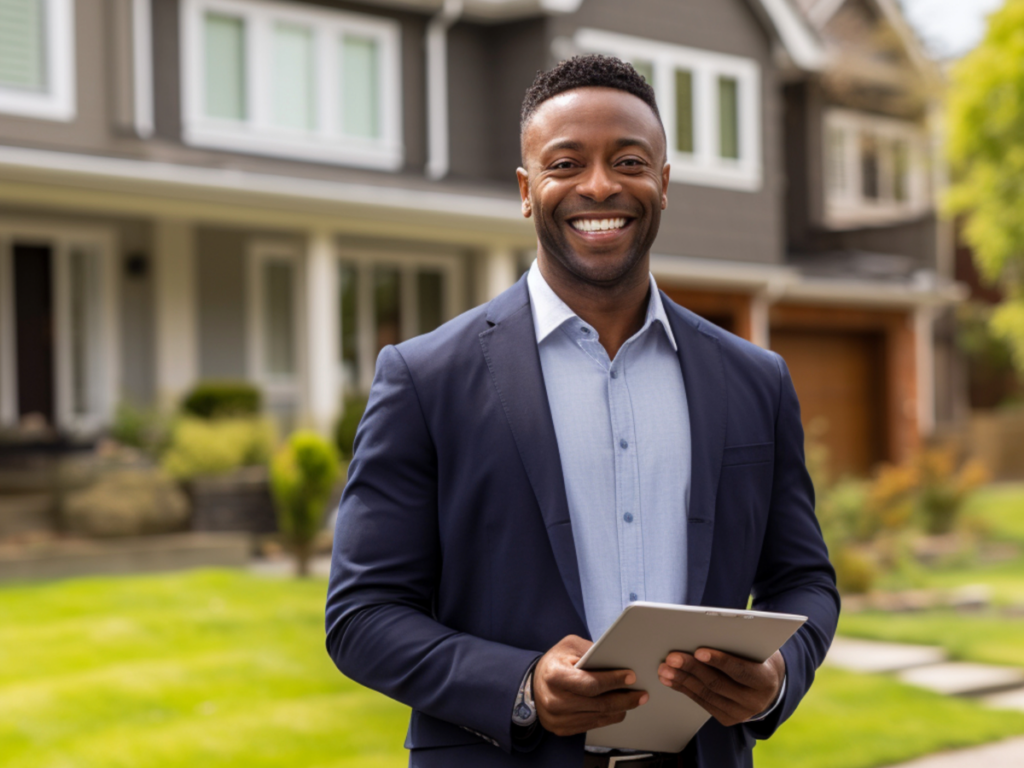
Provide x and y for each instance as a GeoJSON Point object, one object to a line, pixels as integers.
{"type": "Point", "coordinates": [924, 354]}
{"type": "Point", "coordinates": [498, 271]}
{"type": "Point", "coordinates": [760, 304]}
{"type": "Point", "coordinates": [176, 331]}
{"type": "Point", "coordinates": [321, 331]}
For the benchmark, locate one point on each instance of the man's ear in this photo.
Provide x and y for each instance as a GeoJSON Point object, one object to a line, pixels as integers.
{"type": "Point", "coordinates": [665, 171]}
{"type": "Point", "coordinates": [524, 191]}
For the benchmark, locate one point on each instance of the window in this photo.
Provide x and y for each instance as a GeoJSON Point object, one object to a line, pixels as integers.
{"type": "Point", "coordinates": [273, 297]}
{"type": "Point", "coordinates": [37, 56]}
{"type": "Point", "coordinates": [388, 298]}
{"type": "Point", "coordinates": [292, 81]}
{"type": "Point", "coordinates": [710, 104]}
{"type": "Point", "coordinates": [875, 168]}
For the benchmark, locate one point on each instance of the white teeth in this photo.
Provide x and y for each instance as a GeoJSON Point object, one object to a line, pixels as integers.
{"type": "Point", "coordinates": [597, 225]}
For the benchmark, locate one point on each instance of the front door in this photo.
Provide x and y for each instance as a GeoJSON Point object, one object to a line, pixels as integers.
{"type": "Point", "coordinates": [34, 337]}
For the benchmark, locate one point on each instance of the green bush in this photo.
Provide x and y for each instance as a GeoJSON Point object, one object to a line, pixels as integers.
{"type": "Point", "coordinates": [199, 447]}
{"type": "Point", "coordinates": [139, 428]}
{"type": "Point", "coordinates": [348, 422]}
{"type": "Point", "coordinates": [220, 399]}
{"type": "Point", "coordinates": [302, 476]}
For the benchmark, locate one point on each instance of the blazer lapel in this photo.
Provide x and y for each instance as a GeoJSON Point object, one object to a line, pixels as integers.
{"type": "Point", "coordinates": [510, 348]}
{"type": "Point", "coordinates": [707, 403]}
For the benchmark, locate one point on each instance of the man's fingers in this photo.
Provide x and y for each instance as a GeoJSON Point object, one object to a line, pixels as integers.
{"type": "Point", "coordinates": [591, 684]}
{"type": "Point", "coordinates": [746, 673]}
{"type": "Point", "coordinates": [698, 674]}
{"type": "Point", "coordinates": [710, 704]}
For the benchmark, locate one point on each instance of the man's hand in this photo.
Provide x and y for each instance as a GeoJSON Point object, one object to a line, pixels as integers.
{"type": "Point", "coordinates": [570, 700]}
{"type": "Point", "coordinates": [731, 689]}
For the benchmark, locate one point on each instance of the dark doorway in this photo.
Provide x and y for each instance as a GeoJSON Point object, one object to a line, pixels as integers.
{"type": "Point", "coordinates": [33, 302]}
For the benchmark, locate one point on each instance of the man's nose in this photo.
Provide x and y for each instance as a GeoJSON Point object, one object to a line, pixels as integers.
{"type": "Point", "coordinates": [598, 184]}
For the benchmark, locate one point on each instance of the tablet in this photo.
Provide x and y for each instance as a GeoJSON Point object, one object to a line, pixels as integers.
{"type": "Point", "coordinates": [641, 638]}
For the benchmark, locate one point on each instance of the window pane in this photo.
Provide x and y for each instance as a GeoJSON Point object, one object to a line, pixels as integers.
{"type": "Point", "coordinates": [387, 293]}
{"type": "Point", "coordinates": [869, 167]}
{"type": "Point", "coordinates": [225, 67]}
{"type": "Point", "coordinates": [279, 317]}
{"type": "Point", "coordinates": [684, 111]}
{"type": "Point", "coordinates": [836, 160]}
{"type": "Point", "coordinates": [430, 290]}
{"type": "Point", "coordinates": [728, 118]}
{"type": "Point", "coordinates": [22, 45]}
{"type": "Point", "coordinates": [360, 87]}
{"type": "Point", "coordinates": [645, 69]}
{"type": "Point", "coordinates": [901, 171]}
{"type": "Point", "coordinates": [294, 101]}
{"type": "Point", "coordinates": [348, 283]}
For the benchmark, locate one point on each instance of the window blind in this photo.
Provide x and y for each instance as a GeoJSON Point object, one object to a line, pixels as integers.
{"type": "Point", "coordinates": [360, 79]}
{"type": "Point", "coordinates": [225, 66]}
{"type": "Point", "coordinates": [23, 44]}
{"type": "Point", "coordinates": [294, 101]}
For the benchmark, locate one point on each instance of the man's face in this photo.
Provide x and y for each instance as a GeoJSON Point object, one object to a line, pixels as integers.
{"type": "Point", "coordinates": [595, 181]}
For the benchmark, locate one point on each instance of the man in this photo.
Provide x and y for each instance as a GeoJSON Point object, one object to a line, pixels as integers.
{"type": "Point", "coordinates": [524, 472]}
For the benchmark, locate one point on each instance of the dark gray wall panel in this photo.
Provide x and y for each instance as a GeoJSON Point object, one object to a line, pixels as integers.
{"type": "Point", "coordinates": [138, 324]}
{"type": "Point", "coordinates": [221, 297]}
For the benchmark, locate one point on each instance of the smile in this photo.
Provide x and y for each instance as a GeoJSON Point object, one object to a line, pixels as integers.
{"type": "Point", "coordinates": [598, 225]}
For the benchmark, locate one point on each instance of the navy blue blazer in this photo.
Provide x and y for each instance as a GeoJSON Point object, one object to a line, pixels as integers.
{"type": "Point", "coordinates": [454, 566]}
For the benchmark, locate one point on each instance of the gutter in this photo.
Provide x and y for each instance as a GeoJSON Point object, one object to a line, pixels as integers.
{"type": "Point", "coordinates": [438, 145]}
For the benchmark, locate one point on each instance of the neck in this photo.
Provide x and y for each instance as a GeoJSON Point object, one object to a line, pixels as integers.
{"type": "Point", "coordinates": [616, 311]}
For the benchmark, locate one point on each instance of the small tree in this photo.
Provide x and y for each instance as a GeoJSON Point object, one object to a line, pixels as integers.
{"type": "Point", "coordinates": [302, 475]}
{"type": "Point", "coordinates": [986, 149]}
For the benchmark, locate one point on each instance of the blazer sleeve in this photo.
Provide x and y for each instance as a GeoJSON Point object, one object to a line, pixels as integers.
{"type": "Point", "coordinates": [794, 574]}
{"type": "Point", "coordinates": [381, 627]}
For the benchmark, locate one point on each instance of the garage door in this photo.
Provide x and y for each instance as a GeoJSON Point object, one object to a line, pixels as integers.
{"type": "Point", "coordinates": [839, 378]}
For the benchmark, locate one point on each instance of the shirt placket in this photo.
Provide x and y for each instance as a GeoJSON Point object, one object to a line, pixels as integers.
{"type": "Point", "coordinates": [627, 482]}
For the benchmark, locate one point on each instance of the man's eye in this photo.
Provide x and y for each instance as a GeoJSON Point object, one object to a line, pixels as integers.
{"type": "Point", "coordinates": [562, 165]}
{"type": "Point", "coordinates": [630, 162]}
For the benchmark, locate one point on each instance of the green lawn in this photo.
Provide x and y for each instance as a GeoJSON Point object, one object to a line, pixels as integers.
{"type": "Point", "coordinates": [219, 668]}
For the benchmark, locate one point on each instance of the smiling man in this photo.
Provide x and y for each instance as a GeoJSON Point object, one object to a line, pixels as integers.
{"type": "Point", "coordinates": [529, 469]}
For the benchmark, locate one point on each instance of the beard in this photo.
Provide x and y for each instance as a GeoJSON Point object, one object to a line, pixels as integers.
{"type": "Point", "coordinates": [601, 268]}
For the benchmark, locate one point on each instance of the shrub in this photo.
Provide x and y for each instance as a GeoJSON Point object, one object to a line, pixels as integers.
{"type": "Point", "coordinates": [347, 424]}
{"type": "Point", "coordinates": [200, 448]}
{"type": "Point", "coordinates": [220, 399]}
{"type": "Point", "coordinates": [140, 428]}
{"type": "Point", "coordinates": [855, 571]}
{"type": "Point", "coordinates": [302, 476]}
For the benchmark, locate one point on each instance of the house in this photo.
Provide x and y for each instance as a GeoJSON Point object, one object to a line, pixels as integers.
{"type": "Point", "coordinates": [273, 190]}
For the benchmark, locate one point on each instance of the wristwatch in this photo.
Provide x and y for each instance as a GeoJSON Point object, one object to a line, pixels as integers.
{"type": "Point", "coordinates": [524, 713]}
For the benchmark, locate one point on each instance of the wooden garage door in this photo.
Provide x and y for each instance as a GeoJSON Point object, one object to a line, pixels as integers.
{"type": "Point", "coordinates": [839, 377]}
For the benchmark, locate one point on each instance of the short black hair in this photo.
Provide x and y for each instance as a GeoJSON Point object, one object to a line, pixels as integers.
{"type": "Point", "coordinates": [590, 71]}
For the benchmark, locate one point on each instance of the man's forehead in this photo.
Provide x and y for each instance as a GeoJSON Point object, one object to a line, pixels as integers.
{"type": "Point", "coordinates": [583, 113]}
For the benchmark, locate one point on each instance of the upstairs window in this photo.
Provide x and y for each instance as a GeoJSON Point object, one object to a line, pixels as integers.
{"type": "Point", "coordinates": [875, 169]}
{"type": "Point", "coordinates": [710, 104]}
{"type": "Point", "coordinates": [37, 58]}
{"type": "Point", "coordinates": [292, 81]}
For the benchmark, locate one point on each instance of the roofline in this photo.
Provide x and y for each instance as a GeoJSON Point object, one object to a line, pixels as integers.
{"type": "Point", "coordinates": [801, 42]}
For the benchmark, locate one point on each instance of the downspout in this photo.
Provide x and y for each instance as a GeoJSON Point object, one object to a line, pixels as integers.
{"type": "Point", "coordinates": [437, 88]}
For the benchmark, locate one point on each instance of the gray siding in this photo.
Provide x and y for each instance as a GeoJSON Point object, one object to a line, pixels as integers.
{"type": "Point", "coordinates": [705, 222]}
{"type": "Point", "coordinates": [221, 297]}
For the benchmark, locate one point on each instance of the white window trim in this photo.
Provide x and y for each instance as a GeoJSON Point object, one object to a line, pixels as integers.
{"type": "Point", "coordinates": [451, 266]}
{"type": "Point", "coordinates": [849, 207]}
{"type": "Point", "coordinates": [704, 167]}
{"type": "Point", "coordinates": [258, 135]}
{"type": "Point", "coordinates": [277, 388]}
{"type": "Point", "coordinates": [58, 101]}
{"type": "Point", "coordinates": [61, 239]}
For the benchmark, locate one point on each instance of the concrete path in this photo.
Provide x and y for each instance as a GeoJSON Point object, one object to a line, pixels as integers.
{"type": "Point", "coordinates": [1002, 754]}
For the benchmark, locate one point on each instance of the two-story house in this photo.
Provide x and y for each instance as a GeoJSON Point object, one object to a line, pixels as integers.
{"type": "Point", "coordinates": [273, 190]}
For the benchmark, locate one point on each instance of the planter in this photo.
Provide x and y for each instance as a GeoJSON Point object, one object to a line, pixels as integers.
{"type": "Point", "coordinates": [239, 501]}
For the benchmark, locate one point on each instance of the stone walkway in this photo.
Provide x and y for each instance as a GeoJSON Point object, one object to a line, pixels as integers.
{"type": "Point", "coordinates": [927, 667]}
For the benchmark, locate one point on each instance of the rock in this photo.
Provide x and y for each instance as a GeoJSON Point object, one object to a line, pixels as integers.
{"type": "Point", "coordinates": [972, 597]}
{"type": "Point", "coordinates": [127, 502]}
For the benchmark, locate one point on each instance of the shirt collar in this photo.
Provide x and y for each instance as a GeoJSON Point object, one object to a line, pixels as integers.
{"type": "Point", "coordinates": [550, 312]}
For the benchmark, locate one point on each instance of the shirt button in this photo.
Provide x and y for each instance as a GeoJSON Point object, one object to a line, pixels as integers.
{"type": "Point", "coordinates": [632, 597]}
{"type": "Point", "coordinates": [623, 444]}
{"type": "Point", "coordinates": [628, 517]}
{"type": "Point", "coordinates": [614, 374]}
{"type": "Point", "coordinates": [584, 329]}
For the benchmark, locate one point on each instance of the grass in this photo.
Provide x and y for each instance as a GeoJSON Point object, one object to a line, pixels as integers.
{"type": "Point", "coordinates": [863, 721]}
{"type": "Point", "coordinates": [208, 668]}
{"type": "Point", "coordinates": [226, 669]}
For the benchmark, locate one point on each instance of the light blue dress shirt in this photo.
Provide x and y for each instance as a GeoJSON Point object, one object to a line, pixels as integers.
{"type": "Point", "coordinates": [623, 432]}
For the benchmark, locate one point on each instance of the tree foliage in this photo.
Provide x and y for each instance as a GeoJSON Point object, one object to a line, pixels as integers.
{"type": "Point", "coordinates": [986, 151]}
